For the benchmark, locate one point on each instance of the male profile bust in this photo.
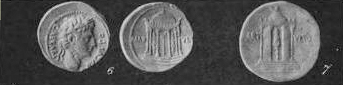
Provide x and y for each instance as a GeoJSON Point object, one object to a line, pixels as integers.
{"type": "Point", "coordinates": [77, 40]}
{"type": "Point", "coordinates": [73, 36]}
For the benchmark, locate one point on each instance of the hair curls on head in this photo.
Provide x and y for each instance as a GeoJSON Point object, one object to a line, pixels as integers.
{"type": "Point", "coordinates": [73, 26]}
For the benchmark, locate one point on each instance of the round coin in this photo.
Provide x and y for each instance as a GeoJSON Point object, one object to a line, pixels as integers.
{"type": "Point", "coordinates": [156, 36]}
{"type": "Point", "coordinates": [279, 41]}
{"type": "Point", "coordinates": [73, 36]}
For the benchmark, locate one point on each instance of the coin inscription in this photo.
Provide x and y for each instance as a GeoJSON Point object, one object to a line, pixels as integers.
{"type": "Point", "coordinates": [279, 41]}
{"type": "Point", "coordinates": [73, 36]}
{"type": "Point", "coordinates": [156, 37]}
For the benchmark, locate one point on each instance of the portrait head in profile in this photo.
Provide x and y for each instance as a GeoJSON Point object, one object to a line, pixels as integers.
{"type": "Point", "coordinates": [77, 40]}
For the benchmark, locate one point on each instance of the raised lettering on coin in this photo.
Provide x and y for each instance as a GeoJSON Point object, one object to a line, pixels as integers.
{"type": "Point", "coordinates": [73, 36]}
{"type": "Point", "coordinates": [278, 43]}
{"type": "Point", "coordinates": [156, 37]}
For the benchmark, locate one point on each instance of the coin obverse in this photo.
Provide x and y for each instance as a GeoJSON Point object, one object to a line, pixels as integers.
{"type": "Point", "coordinates": [73, 36]}
{"type": "Point", "coordinates": [156, 37]}
{"type": "Point", "coordinates": [279, 41]}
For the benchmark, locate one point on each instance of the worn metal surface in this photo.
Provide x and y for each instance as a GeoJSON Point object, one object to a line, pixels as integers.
{"type": "Point", "coordinates": [73, 36]}
{"type": "Point", "coordinates": [279, 41]}
{"type": "Point", "coordinates": [156, 36]}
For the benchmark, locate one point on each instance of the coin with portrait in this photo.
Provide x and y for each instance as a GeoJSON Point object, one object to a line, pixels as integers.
{"type": "Point", "coordinates": [73, 36]}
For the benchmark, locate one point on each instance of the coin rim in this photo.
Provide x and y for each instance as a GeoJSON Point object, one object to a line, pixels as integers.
{"type": "Point", "coordinates": [316, 51]}
{"type": "Point", "coordinates": [134, 59]}
{"type": "Point", "coordinates": [42, 34]}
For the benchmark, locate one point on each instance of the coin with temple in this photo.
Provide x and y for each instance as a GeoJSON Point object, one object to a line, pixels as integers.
{"type": "Point", "coordinates": [73, 36]}
{"type": "Point", "coordinates": [279, 41]}
{"type": "Point", "coordinates": [156, 36]}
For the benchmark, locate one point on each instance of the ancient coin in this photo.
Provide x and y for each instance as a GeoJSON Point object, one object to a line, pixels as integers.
{"type": "Point", "coordinates": [73, 36]}
{"type": "Point", "coordinates": [279, 41]}
{"type": "Point", "coordinates": [156, 37]}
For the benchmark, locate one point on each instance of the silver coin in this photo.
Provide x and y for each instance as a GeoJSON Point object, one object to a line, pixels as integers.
{"type": "Point", "coordinates": [156, 36]}
{"type": "Point", "coordinates": [73, 36]}
{"type": "Point", "coordinates": [279, 41]}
